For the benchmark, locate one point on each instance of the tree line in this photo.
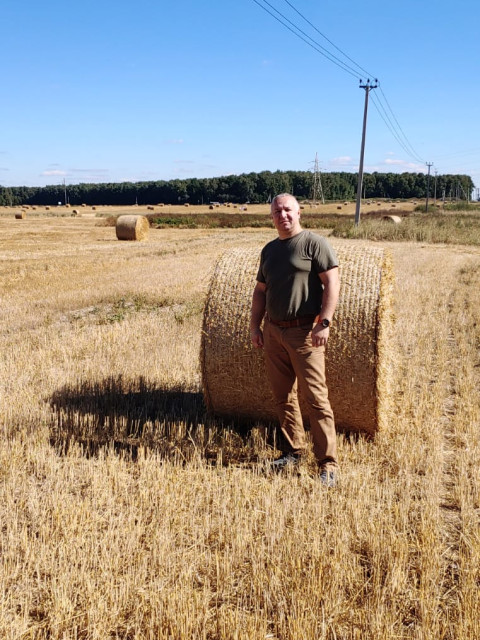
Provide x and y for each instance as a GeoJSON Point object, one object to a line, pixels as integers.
{"type": "Point", "coordinates": [243, 188]}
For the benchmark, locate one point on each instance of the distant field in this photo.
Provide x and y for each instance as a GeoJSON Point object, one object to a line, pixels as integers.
{"type": "Point", "coordinates": [99, 210]}
{"type": "Point", "coordinates": [128, 513]}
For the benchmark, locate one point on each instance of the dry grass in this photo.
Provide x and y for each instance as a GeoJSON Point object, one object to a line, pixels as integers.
{"type": "Point", "coordinates": [127, 513]}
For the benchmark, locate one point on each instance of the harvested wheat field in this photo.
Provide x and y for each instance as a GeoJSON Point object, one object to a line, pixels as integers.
{"type": "Point", "coordinates": [128, 512]}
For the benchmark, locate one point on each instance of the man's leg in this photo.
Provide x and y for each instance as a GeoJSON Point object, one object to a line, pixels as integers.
{"type": "Point", "coordinates": [282, 379]}
{"type": "Point", "coordinates": [309, 365]}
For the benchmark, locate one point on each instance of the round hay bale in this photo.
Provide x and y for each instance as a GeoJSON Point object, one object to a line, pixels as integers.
{"type": "Point", "coordinates": [359, 356]}
{"type": "Point", "coordinates": [151, 208]}
{"type": "Point", "coordinates": [132, 227]}
{"type": "Point", "coordinates": [47, 208]}
{"type": "Point", "coordinates": [339, 207]}
{"type": "Point", "coordinates": [394, 219]}
{"type": "Point", "coordinates": [20, 215]}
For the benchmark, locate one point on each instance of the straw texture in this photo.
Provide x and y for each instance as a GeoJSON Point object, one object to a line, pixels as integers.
{"type": "Point", "coordinates": [359, 355]}
{"type": "Point", "coordinates": [132, 227]}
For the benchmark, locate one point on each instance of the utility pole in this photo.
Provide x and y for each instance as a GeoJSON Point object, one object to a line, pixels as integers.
{"type": "Point", "coordinates": [367, 86]}
{"type": "Point", "coordinates": [435, 189]}
{"type": "Point", "coordinates": [429, 164]}
{"type": "Point", "coordinates": [317, 190]}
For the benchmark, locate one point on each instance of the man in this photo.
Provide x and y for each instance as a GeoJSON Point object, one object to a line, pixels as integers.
{"type": "Point", "coordinates": [296, 295]}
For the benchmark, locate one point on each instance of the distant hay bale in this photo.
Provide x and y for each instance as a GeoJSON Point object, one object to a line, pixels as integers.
{"type": "Point", "coordinates": [186, 204]}
{"type": "Point", "coordinates": [20, 215]}
{"type": "Point", "coordinates": [235, 206]}
{"type": "Point", "coordinates": [211, 206]}
{"type": "Point", "coordinates": [393, 206]}
{"type": "Point", "coordinates": [94, 208]}
{"type": "Point", "coordinates": [359, 355]}
{"type": "Point", "coordinates": [47, 208]}
{"type": "Point", "coordinates": [394, 219]}
{"type": "Point", "coordinates": [345, 203]}
{"type": "Point", "coordinates": [378, 204]}
{"type": "Point", "coordinates": [339, 207]}
{"type": "Point", "coordinates": [151, 208]}
{"type": "Point", "coordinates": [132, 227]}
{"type": "Point", "coordinates": [160, 204]}
{"type": "Point", "coordinates": [74, 212]}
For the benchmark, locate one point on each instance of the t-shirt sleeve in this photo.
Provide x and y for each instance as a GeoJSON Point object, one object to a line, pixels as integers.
{"type": "Point", "coordinates": [324, 257]}
{"type": "Point", "coordinates": [260, 276]}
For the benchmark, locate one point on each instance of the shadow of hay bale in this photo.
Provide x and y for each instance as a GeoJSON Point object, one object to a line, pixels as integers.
{"type": "Point", "coordinates": [131, 414]}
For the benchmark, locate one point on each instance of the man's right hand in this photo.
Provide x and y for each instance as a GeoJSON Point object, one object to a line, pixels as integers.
{"type": "Point", "coordinates": [257, 338]}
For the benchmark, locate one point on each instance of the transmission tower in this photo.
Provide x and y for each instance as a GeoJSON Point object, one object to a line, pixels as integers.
{"type": "Point", "coordinates": [317, 190]}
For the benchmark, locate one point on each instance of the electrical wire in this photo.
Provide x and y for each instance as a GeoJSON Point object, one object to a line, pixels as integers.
{"type": "Point", "coordinates": [391, 123]}
{"type": "Point", "coordinates": [315, 45]}
{"type": "Point", "coordinates": [406, 146]}
{"type": "Point", "coordinates": [372, 75]}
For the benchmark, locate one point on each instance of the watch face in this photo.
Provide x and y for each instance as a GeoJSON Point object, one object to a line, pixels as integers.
{"type": "Point", "coordinates": [325, 323]}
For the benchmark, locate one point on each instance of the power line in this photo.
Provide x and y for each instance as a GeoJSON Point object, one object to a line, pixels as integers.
{"type": "Point", "coordinates": [390, 125]}
{"type": "Point", "coordinates": [398, 125]}
{"type": "Point", "coordinates": [328, 40]}
{"type": "Point", "coordinates": [385, 111]}
{"type": "Point", "coordinates": [318, 47]}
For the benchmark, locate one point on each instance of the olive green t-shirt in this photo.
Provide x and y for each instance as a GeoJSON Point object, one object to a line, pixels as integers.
{"type": "Point", "coordinates": [290, 269]}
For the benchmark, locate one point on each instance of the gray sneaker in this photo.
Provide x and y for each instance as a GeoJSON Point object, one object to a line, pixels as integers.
{"type": "Point", "coordinates": [285, 461]}
{"type": "Point", "coordinates": [328, 478]}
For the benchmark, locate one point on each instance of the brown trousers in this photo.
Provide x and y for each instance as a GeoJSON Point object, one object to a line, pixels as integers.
{"type": "Point", "coordinates": [290, 358]}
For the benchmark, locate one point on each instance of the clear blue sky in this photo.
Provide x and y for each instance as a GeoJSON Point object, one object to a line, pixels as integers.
{"type": "Point", "coordinates": [103, 91]}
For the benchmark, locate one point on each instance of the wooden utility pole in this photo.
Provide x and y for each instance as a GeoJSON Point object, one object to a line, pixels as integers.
{"type": "Point", "coordinates": [429, 164]}
{"type": "Point", "coordinates": [367, 88]}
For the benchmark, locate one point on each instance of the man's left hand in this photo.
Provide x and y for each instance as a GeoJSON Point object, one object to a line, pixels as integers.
{"type": "Point", "coordinates": [320, 335]}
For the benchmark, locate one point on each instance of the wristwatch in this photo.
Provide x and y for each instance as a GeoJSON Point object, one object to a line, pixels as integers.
{"type": "Point", "coordinates": [325, 323]}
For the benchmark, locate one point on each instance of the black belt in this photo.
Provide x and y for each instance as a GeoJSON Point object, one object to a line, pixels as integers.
{"type": "Point", "coordinates": [300, 321]}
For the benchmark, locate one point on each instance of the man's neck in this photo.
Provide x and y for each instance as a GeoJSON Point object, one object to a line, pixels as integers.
{"type": "Point", "coordinates": [292, 234]}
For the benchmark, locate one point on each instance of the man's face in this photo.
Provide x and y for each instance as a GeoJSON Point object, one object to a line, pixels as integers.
{"type": "Point", "coordinates": [286, 216]}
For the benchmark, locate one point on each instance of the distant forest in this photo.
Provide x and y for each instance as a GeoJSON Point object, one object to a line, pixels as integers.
{"type": "Point", "coordinates": [247, 187]}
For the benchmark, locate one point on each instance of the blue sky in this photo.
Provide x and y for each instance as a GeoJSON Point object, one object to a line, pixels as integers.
{"type": "Point", "coordinates": [103, 91]}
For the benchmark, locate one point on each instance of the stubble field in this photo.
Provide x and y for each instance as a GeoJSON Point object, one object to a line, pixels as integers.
{"type": "Point", "coordinates": [127, 513]}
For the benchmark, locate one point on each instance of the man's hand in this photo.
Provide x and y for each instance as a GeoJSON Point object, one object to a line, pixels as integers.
{"type": "Point", "coordinates": [320, 335]}
{"type": "Point", "coordinates": [257, 338]}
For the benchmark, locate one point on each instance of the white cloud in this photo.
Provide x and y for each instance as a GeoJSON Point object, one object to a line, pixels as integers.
{"type": "Point", "coordinates": [412, 166]}
{"type": "Point", "coordinates": [54, 172]}
{"type": "Point", "coordinates": [342, 160]}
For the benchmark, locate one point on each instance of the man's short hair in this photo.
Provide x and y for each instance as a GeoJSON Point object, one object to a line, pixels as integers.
{"type": "Point", "coordinates": [284, 195]}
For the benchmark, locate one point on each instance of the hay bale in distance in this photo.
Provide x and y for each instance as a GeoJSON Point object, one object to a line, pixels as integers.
{"type": "Point", "coordinates": [359, 355]}
{"type": "Point", "coordinates": [132, 227]}
{"type": "Point", "coordinates": [20, 215]}
{"type": "Point", "coordinates": [394, 219]}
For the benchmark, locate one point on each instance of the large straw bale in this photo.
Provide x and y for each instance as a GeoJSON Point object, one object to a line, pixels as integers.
{"type": "Point", "coordinates": [359, 355]}
{"type": "Point", "coordinates": [132, 227]}
{"type": "Point", "coordinates": [20, 215]}
{"type": "Point", "coordinates": [394, 219]}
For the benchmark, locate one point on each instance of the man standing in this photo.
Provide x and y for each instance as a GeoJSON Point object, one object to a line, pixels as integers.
{"type": "Point", "coordinates": [296, 294]}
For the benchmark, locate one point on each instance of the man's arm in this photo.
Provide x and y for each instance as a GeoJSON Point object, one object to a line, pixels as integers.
{"type": "Point", "coordinates": [258, 311]}
{"type": "Point", "coordinates": [331, 289]}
